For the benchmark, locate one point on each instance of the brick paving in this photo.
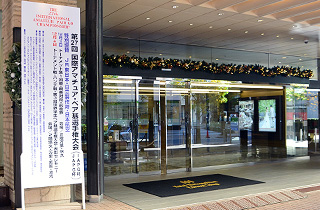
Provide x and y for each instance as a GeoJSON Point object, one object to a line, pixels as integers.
{"type": "Point", "coordinates": [109, 204]}
{"type": "Point", "coordinates": [311, 202]}
{"type": "Point", "coordinates": [298, 199]}
{"type": "Point", "coordinates": [247, 202]}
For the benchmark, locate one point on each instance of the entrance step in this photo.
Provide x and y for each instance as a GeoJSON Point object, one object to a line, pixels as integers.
{"type": "Point", "coordinates": [68, 206]}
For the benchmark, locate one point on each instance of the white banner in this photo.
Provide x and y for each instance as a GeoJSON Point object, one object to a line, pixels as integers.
{"type": "Point", "coordinates": [51, 95]}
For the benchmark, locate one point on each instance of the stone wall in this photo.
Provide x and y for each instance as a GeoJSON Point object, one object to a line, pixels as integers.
{"type": "Point", "coordinates": [11, 17]}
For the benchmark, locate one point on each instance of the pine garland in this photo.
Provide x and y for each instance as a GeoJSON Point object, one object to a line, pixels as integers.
{"type": "Point", "coordinates": [134, 62]}
{"type": "Point", "coordinates": [12, 75]}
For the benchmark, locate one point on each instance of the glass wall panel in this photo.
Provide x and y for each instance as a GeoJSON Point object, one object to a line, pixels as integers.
{"type": "Point", "coordinates": [297, 124]}
{"type": "Point", "coordinates": [313, 121]}
{"type": "Point", "coordinates": [145, 49]}
{"type": "Point", "coordinates": [215, 124]}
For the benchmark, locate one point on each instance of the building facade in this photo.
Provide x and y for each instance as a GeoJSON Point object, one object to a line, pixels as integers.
{"type": "Point", "coordinates": [159, 101]}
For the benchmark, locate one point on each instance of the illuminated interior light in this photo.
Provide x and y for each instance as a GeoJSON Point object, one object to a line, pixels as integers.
{"type": "Point", "coordinates": [213, 91]}
{"type": "Point", "coordinates": [164, 78]}
{"type": "Point", "coordinates": [118, 88]}
{"type": "Point", "coordinates": [129, 77]}
{"type": "Point", "coordinates": [313, 90]}
{"type": "Point", "coordinates": [117, 81]}
{"type": "Point", "coordinates": [236, 86]}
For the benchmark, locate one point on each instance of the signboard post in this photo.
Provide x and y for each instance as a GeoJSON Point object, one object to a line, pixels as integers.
{"type": "Point", "coordinates": [51, 97]}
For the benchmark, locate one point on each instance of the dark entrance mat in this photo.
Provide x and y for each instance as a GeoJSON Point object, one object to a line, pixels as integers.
{"type": "Point", "coordinates": [180, 186]}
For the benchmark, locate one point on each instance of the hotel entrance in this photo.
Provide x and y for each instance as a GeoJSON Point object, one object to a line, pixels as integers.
{"type": "Point", "coordinates": [161, 125]}
{"type": "Point", "coordinates": [132, 128]}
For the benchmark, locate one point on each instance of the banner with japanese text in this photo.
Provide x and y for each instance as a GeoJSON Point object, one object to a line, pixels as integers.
{"type": "Point", "coordinates": [51, 95]}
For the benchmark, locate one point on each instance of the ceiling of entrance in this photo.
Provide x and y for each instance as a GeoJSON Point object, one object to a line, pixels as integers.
{"type": "Point", "coordinates": [280, 27]}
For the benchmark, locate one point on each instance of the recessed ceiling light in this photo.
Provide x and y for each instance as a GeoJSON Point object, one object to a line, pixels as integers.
{"type": "Point", "coordinates": [220, 14]}
{"type": "Point", "coordinates": [277, 36]}
{"type": "Point", "coordinates": [279, 61]}
{"type": "Point", "coordinates": [160, 54]}
{"type": "Point", "coordinates": [291, 37]}
{"type": "Point", "coordinates": [210, 27]}
{"type": "Point", "coordinates": [147, 18]}
{"type": "Point", "coordinates": [170, 21]}
{"type": "Point", "coordinates": [190, 56]}
{"type": "Point", "coordinates": [284, 57]}
{"type": "Point", "coordinates": [260, 20]}
{"type": "Point", "coordinates": [175, 6]}
{"type": "Point", "coordinates": [217, 59]}
{"type": "Point", "coordinates": [191, 24]}
{"type": "Point", "coordinates": [128, 51]}
{"type": "Point", "coordinates": [229, 29]}
{"type": "Point", "coordinates": [246, 32]}
{"type": "Point", "coordinates": [262, 34]}
{"type": "Point", "coordinates": [300, 59]}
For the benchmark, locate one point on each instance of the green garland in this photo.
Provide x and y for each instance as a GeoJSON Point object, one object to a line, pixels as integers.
{"type": "Point", "coordinates": [12, 75]}
{"type": "Point", "coordinates": [189, 65]}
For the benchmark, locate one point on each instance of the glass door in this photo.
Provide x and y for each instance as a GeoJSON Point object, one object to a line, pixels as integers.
{"type": "Point", "coordinates": [119, 112]}
{"type": "Point", "coordinates": [131, 125]}
{"type": "Point", "coordinates": [177, 103]}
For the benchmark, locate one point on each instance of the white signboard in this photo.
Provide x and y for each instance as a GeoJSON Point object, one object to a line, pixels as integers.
{"type": "Point", "coordinates": [51, 95]}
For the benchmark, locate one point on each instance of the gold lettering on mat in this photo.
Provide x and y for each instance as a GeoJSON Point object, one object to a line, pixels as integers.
{"type": "Point", "coordinates": [192, 185]}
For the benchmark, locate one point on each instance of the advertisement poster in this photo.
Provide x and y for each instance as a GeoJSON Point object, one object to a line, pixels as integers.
{"type": "Point", "coordinates": [267, 115]}
{"type": "Point", "coordinates": [246, 111]}
{"type": "Point", "coordinates": [51, 95]}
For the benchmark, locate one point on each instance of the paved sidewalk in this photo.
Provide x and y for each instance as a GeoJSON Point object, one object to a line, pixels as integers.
{"type": "Point", "coordinates": [311, 202]}
{"type": "Point", "coordinates": [304, 198]}
{"type": "Point", "coordinates": [297, 199]}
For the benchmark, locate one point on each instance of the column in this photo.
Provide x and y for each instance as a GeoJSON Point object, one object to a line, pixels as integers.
{"type": "Point", "coordinates": [94, 45]}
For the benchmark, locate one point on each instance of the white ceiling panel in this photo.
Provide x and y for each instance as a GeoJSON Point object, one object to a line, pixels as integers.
{"type": "Point", "coordinates": [252, 5]}
{"type": "Point", "coordinates": [218, 4]}
{"type": "Point", "coordinates": [280, 6]}
{"type": "Point", "coordinates": [229, 24]}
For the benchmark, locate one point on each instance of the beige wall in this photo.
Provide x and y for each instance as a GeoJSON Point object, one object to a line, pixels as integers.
{"type": "Point", "coordinates": [12, 18]}
{"type": "Point", "coordinates": [1, 101]}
